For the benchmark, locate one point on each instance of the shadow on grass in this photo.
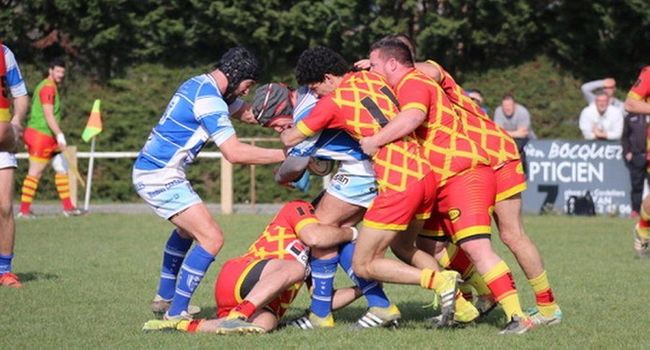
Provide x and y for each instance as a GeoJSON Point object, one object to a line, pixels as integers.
{"type": "Point", "coordinates": [412, 314]}
{"type": "Point", "coordinates": [35, 276]}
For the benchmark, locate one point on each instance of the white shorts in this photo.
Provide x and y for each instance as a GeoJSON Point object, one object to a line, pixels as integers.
{"type": "Point", "coordinates": [8, 160]}
{"type": "Point", "coordinates": [357, 190]}
{"type": "Point", "coordinates": [166, 195]}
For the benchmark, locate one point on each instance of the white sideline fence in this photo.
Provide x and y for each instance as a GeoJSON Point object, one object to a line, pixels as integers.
{"type": "Point", "coordinates": [226, 191]}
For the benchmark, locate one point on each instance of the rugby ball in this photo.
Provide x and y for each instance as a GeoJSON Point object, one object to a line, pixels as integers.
{"type": "Point", "coordinates": [321, 167]}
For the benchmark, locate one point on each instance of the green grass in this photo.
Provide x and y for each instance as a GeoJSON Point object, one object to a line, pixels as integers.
{"type": "Point", "coordinates": [88, 282]}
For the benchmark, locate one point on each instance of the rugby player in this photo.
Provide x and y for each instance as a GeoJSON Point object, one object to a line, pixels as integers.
{"type": "Point", "coordinates": [350, 191]}
{"type": "Point", "coordinates": [460, 166]}
{"type": "Point", "coordinates": [45, 142]}
{"type": "Point", "coordinates": [638, 102]}
{"type": "Point", "coordinates": [11, 84]}
{"type": "Point", "coordinates": [359, 103]}
{"type": "Point", "coordinates": [254, 290]}
{"type": "Point", "coordinates": [199, 111]}
{"type": "Point", "coordinates": [510, 181]}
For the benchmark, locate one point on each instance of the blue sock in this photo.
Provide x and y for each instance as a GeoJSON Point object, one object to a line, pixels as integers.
{"type": "Point", "coordinates": [5, 263]}
{"type": "Point", "coordinates": [372, 290]}
{"type": "Point", "coordinates": [322, 277]}
{"type": "Point", "coordinates": [173, 256]}
{"type": "Point", "coordinates": [194, 267]}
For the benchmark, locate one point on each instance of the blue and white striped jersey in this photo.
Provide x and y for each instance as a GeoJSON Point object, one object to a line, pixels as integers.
{"type": "Point", "coordinates": [195, 114]}
{"type": "Point", "coordinates": [330, 143]}
{"type": "Point", "coordinates": [14, 78]}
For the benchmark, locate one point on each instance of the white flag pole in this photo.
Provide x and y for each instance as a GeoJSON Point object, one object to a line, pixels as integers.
{"type": "Point", "coordinates": [89, 176]}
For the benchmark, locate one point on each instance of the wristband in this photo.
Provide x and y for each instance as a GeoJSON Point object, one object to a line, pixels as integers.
{"type": "Point", "coordinates": [60, 139]}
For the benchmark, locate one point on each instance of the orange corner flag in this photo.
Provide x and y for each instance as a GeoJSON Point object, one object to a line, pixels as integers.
{"type": "Point", "coordinates": [94, 125]}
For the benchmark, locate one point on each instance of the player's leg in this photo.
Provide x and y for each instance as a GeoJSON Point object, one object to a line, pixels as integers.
{"type": "Point", "coordinates": [174, 253]}
{"type": "Point", "coordinates": [62, 183]}
{"type": "Point", "coordinates": [197, 222]}
{"type": "Point", "coordinates": [324, 261]}
{"type": "Point", "coordinates": [40, 148]}
{"type": "Point", "coordinates": [7, 224]}
{"type": "Point", "coordinates": [507, 214]}
{"type": "Point", "coordinates": [642, 230]}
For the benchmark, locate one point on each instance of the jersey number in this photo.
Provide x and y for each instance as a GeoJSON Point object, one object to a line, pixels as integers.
{"type": "Point", "coordinates": [371, 106]}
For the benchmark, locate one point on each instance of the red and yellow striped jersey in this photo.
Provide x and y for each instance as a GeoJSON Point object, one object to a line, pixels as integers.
{"type": "Point", "coordinates": [280, 239]}
{"type": "Point", "coordinates": [641, 88]}
{"type": "Point", "coordinates": [477, 125]}
{"type": "Point", "coordinates": [361, 105]}
{"type": "Point", "coordinates": [447, 148]}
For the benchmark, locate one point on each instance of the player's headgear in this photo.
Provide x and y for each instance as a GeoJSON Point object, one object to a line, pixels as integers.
{"type": "Point", "coordinates": [237, 64]}
{"type": "Point", "coordinates": [271, 101]}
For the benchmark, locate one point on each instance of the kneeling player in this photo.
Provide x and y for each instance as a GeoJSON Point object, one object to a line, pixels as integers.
{"type": "Point", "coordinates": [254, 291]}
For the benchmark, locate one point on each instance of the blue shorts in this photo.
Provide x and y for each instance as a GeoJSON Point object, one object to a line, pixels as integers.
{"type": "Point", "coordinates": [167, 196]}
{"type": "Point", "coordinates": [357, 190]}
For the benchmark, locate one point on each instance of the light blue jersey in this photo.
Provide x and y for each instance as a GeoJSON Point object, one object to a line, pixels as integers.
{"type": "Point", "coordinates": [330, 143]}
{"type": "Point", "coordinates": [14, 78]}
{"type": "Point", "coordinates": [195, 114]}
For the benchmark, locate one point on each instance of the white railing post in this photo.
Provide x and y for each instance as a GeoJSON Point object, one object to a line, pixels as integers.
{"type": "Point", "coordinates": [226, 187]}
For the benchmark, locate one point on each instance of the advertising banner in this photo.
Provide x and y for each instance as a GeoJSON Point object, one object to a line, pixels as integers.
{"type": "Point", "coordinates": [558, 170]}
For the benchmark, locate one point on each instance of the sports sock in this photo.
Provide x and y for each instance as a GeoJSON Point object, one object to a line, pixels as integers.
{"type": "Point", "coordinates": [192, 271]}
{"type": "Point", "coordinates": [175, 250]}
{"type": "Point", "coordinates": [499, 280]}
{"type": "Point", "coordinates": [244, 309]}
{"type": "Point", "coordinates": [458, 261]}
{"type": "Point", "coordinates": [28, 192]}
{"type": "Point", "coordinates": [475, 280]}
{"type": "Point", "coordinates": [543, 295]}
{"type": "Point", "coordinates": [643, 228]}
{"type": "Point", "coordinates": [5, 263]}
{"type": "Point", "coordinates": [322, 277]}
{"type": "Point", "coordinates": [372, 290]}
{"type": "Point", "coordinates": [189, 326]}
{"type": "Point", "coordinates": [63, 188]}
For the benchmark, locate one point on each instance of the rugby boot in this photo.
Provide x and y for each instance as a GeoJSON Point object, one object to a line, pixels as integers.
{"type": "Point", "coordinates": [640, 244]}
{"type": "Point", "coordinates": [517, 325]}
{"type": "Point", "coordinates": [238, 325]}
{"type": "Point", "coordinates": [447, 289]}
{"type": "Point", "coordinates": [159, 307]}
{"type": "Point", "coordinates": [10, 280]}
{"type": "Point", "coordinates": [379, 317]}
{"type": "Point", "coordinates": [161, 325]}
{"type": "Point", "coordinates": [311, 321]}
{"type": "Point", "coordinates": [74, 212]}
{"type": "Point", "coordinates": [541, 320]}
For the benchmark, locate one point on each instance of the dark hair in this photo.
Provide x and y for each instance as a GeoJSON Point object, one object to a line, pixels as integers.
{"type": "Point", "coordinates": [57, 62]}
{"type": "Point", "coordinates": [600, 92]}
{"type": "Point", "coordinates": [508, 96]}
{"type": "Point", "coordinates": [315, 62]}
{"type": "Point", "coordinates": [394, 48]}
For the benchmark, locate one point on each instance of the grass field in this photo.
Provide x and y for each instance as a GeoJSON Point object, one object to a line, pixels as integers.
{"type": "Point", "coordinates": [88, 282]}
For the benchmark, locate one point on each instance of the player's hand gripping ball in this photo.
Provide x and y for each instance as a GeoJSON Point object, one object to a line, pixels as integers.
{"type": "Point", "coordinates": [321, 167]}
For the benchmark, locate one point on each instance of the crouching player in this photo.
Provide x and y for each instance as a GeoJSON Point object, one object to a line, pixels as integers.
{"type": "Point", "coordinates": [253, 291]}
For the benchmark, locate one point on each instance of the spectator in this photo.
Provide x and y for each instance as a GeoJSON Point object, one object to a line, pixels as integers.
{"type": "Point", "coordinates": [608, 85]}
{"type": "Point", "coordinates": [601, 120]}
{"type": "Point", "coordinates": [633, 141]}
{"type": "Point", "coordinates": [476, 96]}
{"type": "Point", "coordinates": [515, 119]}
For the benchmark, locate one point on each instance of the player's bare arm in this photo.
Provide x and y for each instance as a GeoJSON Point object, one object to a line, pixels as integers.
{"type": "Point", "coordinates": [291, 169]}
{"type": "Point", "coordinates": [430, 70]}
{"type": "Point", "coordinates": [238, 152]}
{"type": "Point", "coordinates": [636, 106]}
{"type": "Point", "coordinates": [292, 136]}
{"type": "Point", "coordinates": [404, 123]}
{"type": "Point", "coordinates": [21, 103]}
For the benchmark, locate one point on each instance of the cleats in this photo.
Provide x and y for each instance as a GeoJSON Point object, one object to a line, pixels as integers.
{"type": "Point", "coordinates": [541, 320]}
{"type": "Point", "coordinates": [161, 325]}
{"type": "Point", "coordinates": [180, 317]}
{"type": "Point", "coordinates": [379, 317]}
{"type": "Point", "coordinates": [29, 215]}
{"type": "Point", "coordinates": [517, 325]}
{"type": "Point", "coordinates": [238, 326]}
{"type": "Point", "coordinates": [73, 212]}
{"type": "Point", "coordinates": [447, 289]}
{"type": "Point", "coordinates": [640, 245]}
{"type": "Point", "coordinates": [10, 280]}
{"type": "Point", "coordinates": [159, 307]}
{"type": "Point", "coordinates": [311, 321]}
